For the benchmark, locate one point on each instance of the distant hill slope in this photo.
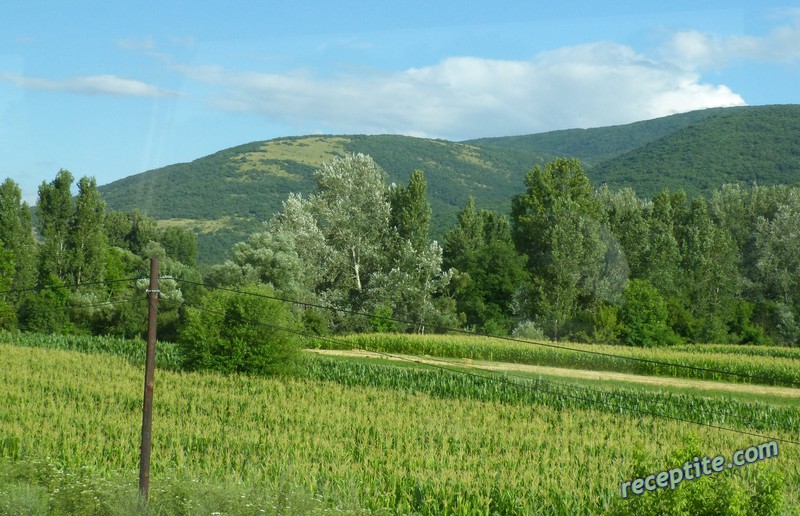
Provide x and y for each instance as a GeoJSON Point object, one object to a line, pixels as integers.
{"type": "Point", "coordinates": [747, 144]}
{"type": "Point", "coordinates": [226, 196]}
{"type": "Point", "coordinates": [599, 144]}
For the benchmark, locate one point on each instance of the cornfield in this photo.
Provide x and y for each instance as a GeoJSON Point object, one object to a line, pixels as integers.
{"type": "Point", "coordinates": [445, 384]}
{"type": "Point", "coordinates": [408, 442]}
{"type": "Point", "coordinates": [769, 370]}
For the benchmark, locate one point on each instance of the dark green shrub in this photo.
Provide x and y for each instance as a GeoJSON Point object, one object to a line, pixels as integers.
{"type": "Point", "coordinates": [644, 316]}
{"type": "Point", "coordinates": [240, 333]}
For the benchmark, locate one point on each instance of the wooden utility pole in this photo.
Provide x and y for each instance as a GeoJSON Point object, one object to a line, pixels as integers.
{"type": "Point", "coordinates": [149, 373]}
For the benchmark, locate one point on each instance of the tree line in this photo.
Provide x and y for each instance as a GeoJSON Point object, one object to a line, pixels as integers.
{"type": "Point", "coordinates": [570, 262]}
{"type": "Point", "coordinates": [60, 274]}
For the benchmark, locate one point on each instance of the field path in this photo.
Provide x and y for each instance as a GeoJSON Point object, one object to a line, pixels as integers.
{"type": "Point", "coordinates": [760, 390]}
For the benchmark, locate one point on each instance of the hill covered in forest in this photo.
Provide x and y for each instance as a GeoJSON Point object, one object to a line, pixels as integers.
{"type": "Point", "coordinates": [227, 195]}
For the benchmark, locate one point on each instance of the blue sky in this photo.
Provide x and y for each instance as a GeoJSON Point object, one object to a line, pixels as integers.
{"type": "Point", "coordinates": [109, 89]}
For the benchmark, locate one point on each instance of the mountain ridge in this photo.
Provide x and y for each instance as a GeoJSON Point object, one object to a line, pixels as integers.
{"type": "Point", "coordinates": [227, 195]}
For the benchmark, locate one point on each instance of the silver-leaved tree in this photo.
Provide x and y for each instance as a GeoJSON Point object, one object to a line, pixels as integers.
{"type": "Point", "coordinates": [353, 245]}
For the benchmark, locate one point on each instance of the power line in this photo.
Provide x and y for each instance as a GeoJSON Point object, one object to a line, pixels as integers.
{"type": "Point", "coordinates": [767, 379]}
{"type": "Point", "coordinates": [495, 378]}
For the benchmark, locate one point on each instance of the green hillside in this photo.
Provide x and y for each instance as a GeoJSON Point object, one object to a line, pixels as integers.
{"type": "Point", "coordinates": [226, 196]}
{"type": "Point", "coordinates": [599, 144]}
{"type": "Point", "coordinates": [229, 194]}
{"type": "Point", "coordinates": [748, 144]}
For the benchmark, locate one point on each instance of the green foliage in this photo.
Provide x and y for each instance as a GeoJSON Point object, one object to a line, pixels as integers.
{"type": "Point", "coordinates": [219, 334]}
{"type": "Point", "coordinates": [711, 281]}
{"type": "Point", "coordinates": [606, 324]}
{"type": "Point", "coordinates": [410, 211]}
{"type": "Point", "coordinates": [46, 310]}
{"type": "Point", "coordinates": [735, 145]}
{"type": "Point", "coordinates": [491, 272]}
{"type": "Point", "coordinates": [528, 330]}
{"type": "Point", "coordinates": [142, 230]}
{"type": "Point", "coordinates": [86, 240]}
{"type": "Point", "coordinates": [644, 316]}
{"type": "Point", "coordinates": [558, 224]}
{"type": "Point", "coordinates": [382, 319]}
{"type": "Point", "coordinates": [16, 234]}
{"type": "Point", "coordinates": [8, 314]}
{"type": "Point", "coordinates": [61, 281]}
{"type": "Point", "coordinates": [54, 212]}
{"type": "Point", "coordinates": [352, 246]}
{"type": "Point", "coordinates": [661, 260]}
{"type": "Point", "coordinates": [180, 244]}
{"type": "Point", "coordinates": [722, 493]}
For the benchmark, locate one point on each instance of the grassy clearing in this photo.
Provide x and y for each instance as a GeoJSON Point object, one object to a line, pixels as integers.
{"type": "Point", "coordinates": [309, 150]}
{"type": "Point", "coordinates": [394, 447]}
{"type": "Point", "coordinates": [202, 226]}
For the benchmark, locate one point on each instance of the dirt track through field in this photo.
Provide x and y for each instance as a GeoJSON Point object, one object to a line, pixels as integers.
{"type": "Point", "coordinates": [580, 374]}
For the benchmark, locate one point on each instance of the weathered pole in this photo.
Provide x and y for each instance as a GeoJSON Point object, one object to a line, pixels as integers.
{"type": "Point", "coordinates": [149, 374]}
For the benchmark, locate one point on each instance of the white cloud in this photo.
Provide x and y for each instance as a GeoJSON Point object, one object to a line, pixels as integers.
{"type": "Point", "coordinates": [92, 85]}
{"type": "Point", "coordinates": [696, 50]}
{"type": "Point", "coordinates": [465, 97]}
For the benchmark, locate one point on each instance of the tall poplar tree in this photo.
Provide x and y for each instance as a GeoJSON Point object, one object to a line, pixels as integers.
{"type": "Point", "coordinates": [86, 240]}
{"type": "Point", "coordinates": [491, 272]}
{"type": "Point", "coordinates": [16, 233]}
{"type": "Point", "coordinates": [411, 211]}
{"type": "Point", "coordinates": [556, 222]}
{"type": "Point", "coordinates": [55, 213]}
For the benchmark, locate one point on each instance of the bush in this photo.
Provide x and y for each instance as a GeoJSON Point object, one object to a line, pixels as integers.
{"type": "Point", "coordinates": [528, 330]}
{"type": "Point", "coordinates": [606, 324]}
{"type": "Point", "coordinates": [222, 333]}
{"type": "Point", "coordinates": [644, 316]}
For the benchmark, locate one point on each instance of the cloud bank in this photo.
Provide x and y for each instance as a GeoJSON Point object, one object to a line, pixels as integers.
{"type": "Point", "coordinates": [465, 97]}
{"type": "Point", "coordinates": [589, 85]}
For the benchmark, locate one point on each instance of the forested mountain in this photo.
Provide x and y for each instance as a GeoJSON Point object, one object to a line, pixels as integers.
{"type": "Point", "coordinates": [750, 145]}
{"type": "Point", "coordinates": [226, 196]}
{"type": "Point", "coordinates": [596, 145]}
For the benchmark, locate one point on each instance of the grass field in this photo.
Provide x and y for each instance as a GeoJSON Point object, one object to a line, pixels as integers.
{"type": "Point", "coordinates": [359, 436]}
